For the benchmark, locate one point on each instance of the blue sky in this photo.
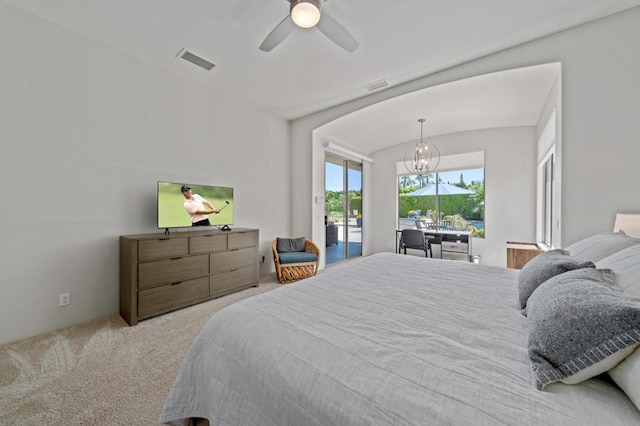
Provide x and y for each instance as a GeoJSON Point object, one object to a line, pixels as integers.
{"type": "Point", "coordinates": [468, 176]}
{"type": "Point", "coordinates": [334, 178]}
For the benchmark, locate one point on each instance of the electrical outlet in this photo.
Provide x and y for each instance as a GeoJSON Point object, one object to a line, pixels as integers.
{"type": "Point", "coordinates": [65, 299]}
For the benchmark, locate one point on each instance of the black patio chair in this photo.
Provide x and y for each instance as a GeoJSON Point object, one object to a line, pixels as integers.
{"type": "Point", "coordinates": [415, 239]}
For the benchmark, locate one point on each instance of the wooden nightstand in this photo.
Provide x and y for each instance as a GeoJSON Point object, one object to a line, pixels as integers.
{"type": "Point", "coordinates": [518, 254]}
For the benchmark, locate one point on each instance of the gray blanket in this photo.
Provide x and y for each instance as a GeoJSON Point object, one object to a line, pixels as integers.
{"type": "Point", "coordinates": [383, 340]}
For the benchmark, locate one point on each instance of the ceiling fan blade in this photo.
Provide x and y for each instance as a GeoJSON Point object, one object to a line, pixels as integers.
{"type": "Point", "coordinates": [279, 33]}
{"type": "Point", "coordinates": [336, 32]}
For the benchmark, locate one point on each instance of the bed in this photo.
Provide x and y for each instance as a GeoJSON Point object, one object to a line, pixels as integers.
{"type": "Point", "coordinates": [390, 339]}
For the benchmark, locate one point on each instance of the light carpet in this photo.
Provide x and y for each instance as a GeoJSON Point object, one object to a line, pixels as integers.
{"type": "Point", "coordinates": [103, 372]}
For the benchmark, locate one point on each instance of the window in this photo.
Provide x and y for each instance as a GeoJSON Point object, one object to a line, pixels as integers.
{"type": "Point", "coordinates": [547, 200]}
{"type": "Point", "coordinates": [456, 202]}
{"type": "Point", "coordinates": [547, 191]}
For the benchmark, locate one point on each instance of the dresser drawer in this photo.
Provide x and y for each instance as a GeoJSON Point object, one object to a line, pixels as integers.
{"type": "Point", "coordinates": [162, 248]}
{"type": "Point", "coordinates": [226, 282]}
{"type": "Point", "coordinates": [233, 259]}
{"type": "Point", "coordinates": [453, 246]}
{"type": "Point", "coordinates": [456, 238]}
{"type": "Point", "coordinates": [169, 271]}
{"type": "Point", "coordinates": [455, 256]}
{"type": "Point", "coordinates": [207, 243]}
{"type": "Point", "coordinates": [243, 239]}
{"type": "Point", "coordinates": [168, 297]}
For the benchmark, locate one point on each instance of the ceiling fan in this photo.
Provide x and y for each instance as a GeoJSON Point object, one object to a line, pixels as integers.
{"type": "Point", "coordinates": [306, 14]}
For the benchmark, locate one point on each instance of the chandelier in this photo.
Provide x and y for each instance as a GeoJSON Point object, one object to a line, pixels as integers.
{"type": "Point", "coordinates": [424, 158]}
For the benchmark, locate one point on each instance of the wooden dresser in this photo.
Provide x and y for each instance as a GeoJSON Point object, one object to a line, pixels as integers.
{"type": "Point", "coordinates": [518, 254]}
{"type": "Point", "coordinates": [161, 273]}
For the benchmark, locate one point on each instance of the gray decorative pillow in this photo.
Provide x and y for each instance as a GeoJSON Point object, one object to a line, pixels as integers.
{"type": "Point", "coordinates": [626, 266]}
{"type": "Point", "coordinates": [580, 326]}
{"type": "Point", "coordinates": [542, 267]}
{"type": "Point", "coordinates": [284, 245]}
{"type": "Point", "coordinates": [599, 246]}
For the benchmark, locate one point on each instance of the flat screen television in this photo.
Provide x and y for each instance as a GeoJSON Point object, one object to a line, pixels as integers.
{"type": "Point", "coordinates": [173, 212]}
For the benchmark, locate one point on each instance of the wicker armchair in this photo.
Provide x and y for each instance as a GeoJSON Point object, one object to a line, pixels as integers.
{"type": "Point", "coordinates": [293, 266]}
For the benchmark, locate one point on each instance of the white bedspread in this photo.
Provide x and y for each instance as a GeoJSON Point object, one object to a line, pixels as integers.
{"type": "Point", "coordinates": [383, 340]}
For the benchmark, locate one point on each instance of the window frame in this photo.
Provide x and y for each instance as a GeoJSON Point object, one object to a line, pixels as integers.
{"type": "Point", "coordinates": [547, 189]}
{"type": "Point", "coordinates": [451, 163]}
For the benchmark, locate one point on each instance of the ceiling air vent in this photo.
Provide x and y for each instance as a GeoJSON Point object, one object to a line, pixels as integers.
{"type": "Point", "coordinates": [376, 85]}
{"type": "Point", "coordinates": [195, 59]}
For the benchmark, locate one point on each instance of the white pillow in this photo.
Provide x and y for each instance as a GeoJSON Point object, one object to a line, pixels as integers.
{"type": "Point", "coordinates": [627, 376]}
{"type": "Point", "coordinates": [599, 367]}
{"type": "Point", "coordinates": [626, 266]}
{"type": "Point", "coordinates": [598, 246]}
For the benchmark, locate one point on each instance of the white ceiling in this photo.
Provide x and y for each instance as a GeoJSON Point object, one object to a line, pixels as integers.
{"type": "Point", "coordinates": [487, 101]}
{"type": "Point", "coordinates": [399, 41]}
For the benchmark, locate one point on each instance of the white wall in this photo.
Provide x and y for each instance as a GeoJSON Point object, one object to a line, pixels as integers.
{"type": "Point", "coordinates": [509, 188]}
{"type": "Point", "coordinates": [86, 132]}
{"type": "Point", "coordinates": [600, 129]}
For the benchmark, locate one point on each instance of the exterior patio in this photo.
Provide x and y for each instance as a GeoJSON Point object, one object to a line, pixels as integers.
{"type": "Point", "coordinates": [335, 252]}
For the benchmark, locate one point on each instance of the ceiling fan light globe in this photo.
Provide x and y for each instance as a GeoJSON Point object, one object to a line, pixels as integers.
{"type": "Point", "coordinates": [305, 13]}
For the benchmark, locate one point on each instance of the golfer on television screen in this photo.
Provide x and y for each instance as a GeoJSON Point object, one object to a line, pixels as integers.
{"type": "Point", "coordinates": [197, 207]}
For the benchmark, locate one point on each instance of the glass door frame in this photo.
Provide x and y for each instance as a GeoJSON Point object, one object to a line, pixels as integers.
{"type": "Point", "coordinates": [350, 220]}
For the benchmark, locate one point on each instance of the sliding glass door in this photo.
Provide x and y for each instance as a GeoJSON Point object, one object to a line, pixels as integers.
{"type": "Point", "coordinates": [343, 208]}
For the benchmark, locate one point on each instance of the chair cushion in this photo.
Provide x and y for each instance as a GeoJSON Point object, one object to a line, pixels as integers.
{"type": "Point", "coordinates": [297, 257]}
{"type": "Point", "coordinates": [290, 244]}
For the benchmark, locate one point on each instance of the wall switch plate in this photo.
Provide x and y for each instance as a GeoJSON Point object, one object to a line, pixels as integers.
{"type": "Point", "coordinates": [65, 299]}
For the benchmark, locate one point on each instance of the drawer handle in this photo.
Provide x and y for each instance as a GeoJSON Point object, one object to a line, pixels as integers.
{"type": "Point", "coordinates": [163, 239]}
{"type": "Point", "coordinates": [176, 258]}
{"type": "Point", "coordinates": [176, 283]}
